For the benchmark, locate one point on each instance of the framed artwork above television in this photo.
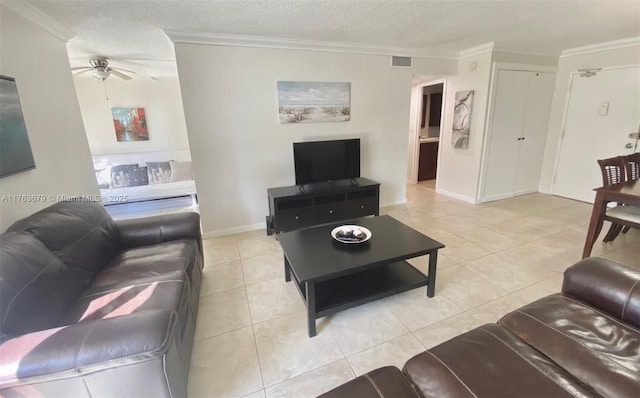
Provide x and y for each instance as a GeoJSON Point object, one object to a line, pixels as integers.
{"type": "Point", "coordinates": [309, 102]}
{"type": "Point", "coordinates": [15, 148]}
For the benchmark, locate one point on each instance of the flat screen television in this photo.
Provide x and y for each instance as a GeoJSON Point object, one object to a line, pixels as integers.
{"type": "Point", "coordinates": [15, 149]}
{"type": "Point", "coordinates": [321, 161]}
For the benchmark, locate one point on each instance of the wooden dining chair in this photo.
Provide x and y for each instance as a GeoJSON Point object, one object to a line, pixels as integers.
{"type": "Point", "coordinates": [613, 173]}
{"type": "Point", "coordinates": [633, 166]}
{"type": "Point", "coordinates": [632, 172]}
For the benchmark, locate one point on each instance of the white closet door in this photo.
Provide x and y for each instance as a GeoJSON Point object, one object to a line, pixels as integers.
{"type": "Point", "coordinates": [534, 132]}
{"type": "Point", "coordinates": [508, 114]}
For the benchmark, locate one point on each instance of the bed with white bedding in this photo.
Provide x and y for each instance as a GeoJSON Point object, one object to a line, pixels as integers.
{"type": "Point", "coordinates": [144, 176]}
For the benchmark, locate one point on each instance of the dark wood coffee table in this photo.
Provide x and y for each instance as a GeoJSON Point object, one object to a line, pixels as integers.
{"type": "Point", "coordinates": [333, 276]}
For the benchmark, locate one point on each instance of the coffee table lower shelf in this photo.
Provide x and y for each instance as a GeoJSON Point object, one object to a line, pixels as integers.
{"type": "Point", "coordinates": [329, 296]}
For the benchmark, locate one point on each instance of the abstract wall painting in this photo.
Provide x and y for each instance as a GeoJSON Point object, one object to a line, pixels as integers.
{"type": "Point", "coordinates": [130, 124]}
{"type": "Point", "coordinates": [309, 102]}
{"type": "Point", "coordinates": [462, 119]}
{"type": "Point", "coordinates": [15, 148]}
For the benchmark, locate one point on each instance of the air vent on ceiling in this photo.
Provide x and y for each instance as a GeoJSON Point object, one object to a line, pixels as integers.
{"type": "Point", "coordinates": [401, 62]}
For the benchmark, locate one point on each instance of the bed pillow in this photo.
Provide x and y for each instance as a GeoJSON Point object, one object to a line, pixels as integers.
{"type": "Point", "coordinates": [181, 171]}
{"type": "Point", "coordinates": [103, 176]}
{"type": "Point", "coordinates": [119, 174]}
{"type": "Point", "coordinates": [137, 177]}
{"type": "Point", "coordinates": [158, 172]}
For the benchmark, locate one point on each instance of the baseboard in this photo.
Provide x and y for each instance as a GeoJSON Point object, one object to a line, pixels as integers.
{"type": "Point", "coordinates": [525, 192]}
{"type": "Point", "coordinates": [233, 231]}
{"type": "Point", "coordinates": [498, 197]}
{"type": "Point", "coordinates": [457, 196]}
{"type": "Point", "coordinates": [393, 203]}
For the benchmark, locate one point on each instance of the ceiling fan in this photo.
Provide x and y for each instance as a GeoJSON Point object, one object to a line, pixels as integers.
{"type": "Point", "coordinates": [101, 70]}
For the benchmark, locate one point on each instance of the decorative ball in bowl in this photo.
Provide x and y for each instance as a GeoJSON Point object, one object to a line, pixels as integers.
{"type": "Point", "coordinates": [351, 234]}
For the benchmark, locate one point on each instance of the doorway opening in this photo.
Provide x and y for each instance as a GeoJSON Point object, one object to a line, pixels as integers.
{"type": "Point", "coordinates": [425, 129]}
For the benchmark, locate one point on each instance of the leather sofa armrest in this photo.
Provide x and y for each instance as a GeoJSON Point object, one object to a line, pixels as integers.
{"type": "Point", "coordinates": [86, 347]}
{"type": "Point", "coordinates": [609, 286]}
{"type": "Point", "coordinates": [158, 229]}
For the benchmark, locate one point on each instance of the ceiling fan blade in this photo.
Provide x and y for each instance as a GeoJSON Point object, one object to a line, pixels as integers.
{"type": "Point", "coordinates": [83, 71]}
{"type": "Point", "coordinates": [124, 70]}
{"type": "Point", "coordinates": [119, 74]}
{"type": "Point", "coordinates": [81, 67]}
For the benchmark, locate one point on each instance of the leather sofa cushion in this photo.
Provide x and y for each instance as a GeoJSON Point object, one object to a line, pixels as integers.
{"type": "Point", "coordinates": [36, 288]}
{"type": "Point", "coordinates": [81, 234]}
{"type": "Point", "coordinates": [593, 346]}
{"type": "Point", "coordinates": [165, 292]}
{"type": "Point", "coordinates": [159, 229]}
{"type": "Point", "coordinates": [489, 362]}
{"type": "Point", "coordinates": [86, 347]}
{"type": "Point", "coordinates": [148, 261]}
{"type": "Point", "coordinates": [607, 285]}
{"type": "Point", "coordinates": [382, 382]}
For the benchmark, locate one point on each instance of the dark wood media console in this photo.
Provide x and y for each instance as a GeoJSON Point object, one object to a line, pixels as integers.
{"type": "Point", "coordinates": [298, 206]}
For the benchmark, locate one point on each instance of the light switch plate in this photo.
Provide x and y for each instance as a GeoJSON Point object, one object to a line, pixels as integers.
{"type": "Point", "coordinates": [603, 110]}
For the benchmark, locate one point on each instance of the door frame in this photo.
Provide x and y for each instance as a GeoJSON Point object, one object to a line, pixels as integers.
{"type": "Point", "coordinates": [496, 68]}
{"type": "Point", "coordinates": [414, 136]}
{"type": "Point", "coordinates": [565, 113]}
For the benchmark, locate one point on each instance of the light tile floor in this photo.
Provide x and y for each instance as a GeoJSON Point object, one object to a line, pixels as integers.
{"type": "Point", "coordinates": [251, 336]}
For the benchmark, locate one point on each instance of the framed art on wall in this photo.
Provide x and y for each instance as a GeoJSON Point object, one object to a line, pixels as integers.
{"type": "Point", "coordinates": [130, 124]}
{"type": "Point", "coordinates": [308, 102]}
{"type": "Point", "coordinates": [462, 119]}
{"type": "Point", "coordinates": [15, 148]}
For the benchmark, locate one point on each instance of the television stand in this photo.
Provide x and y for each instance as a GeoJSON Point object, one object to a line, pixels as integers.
{"type": "Point", "coordinates": [301, 206]}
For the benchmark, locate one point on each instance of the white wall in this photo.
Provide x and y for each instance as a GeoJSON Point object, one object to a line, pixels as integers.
{"type": "Point", "coordinates": [566, 65]}
{"type": "Point", "coordinates": [433, 68]}
{"type": "Point", "coordinates": [519, 58]}
{"type": "Point", "coordinates": [160, 99]}
{"type": "Point", "coordinates": [459, 169]}
{"type": "Point", "coordinates": [39, 62]}
{"type": "Point", "coordinates": [238, 147]}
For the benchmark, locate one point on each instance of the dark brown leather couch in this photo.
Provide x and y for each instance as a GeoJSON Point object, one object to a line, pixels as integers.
{"type": "Point", "coordinates": [92, 307]}
{"type": "Point", "coordinates": [583, 342]}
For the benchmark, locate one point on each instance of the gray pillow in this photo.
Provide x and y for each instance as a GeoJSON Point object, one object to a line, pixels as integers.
{"type": "Point", "coordinates": [137, 177]}
{"type": "Point", "coordinates": [158, 172]}
{"type": "Point", "coordinates": [120, 174]}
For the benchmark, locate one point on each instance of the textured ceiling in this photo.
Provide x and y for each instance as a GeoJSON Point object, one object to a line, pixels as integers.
{"type": "Point", "coordinates": [133, 30]}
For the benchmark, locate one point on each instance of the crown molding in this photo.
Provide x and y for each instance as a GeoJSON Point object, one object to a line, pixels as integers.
{"type": "Point", "coordinates": [39, 18]}
{"type": "Point", "coordinates": [500, 49]}
{"type": "Point", "coordinates": [305, 45]}
{"type": "Point", "coordinates": [477, 50]}
{"type": "Point", "coordinates": [609, 45]}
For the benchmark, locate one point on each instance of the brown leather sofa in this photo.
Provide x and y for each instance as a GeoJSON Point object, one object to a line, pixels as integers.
{"type": "Point", "coordinates": [92, 307]}
{"type": "Point", "coordinates": [583, 342]}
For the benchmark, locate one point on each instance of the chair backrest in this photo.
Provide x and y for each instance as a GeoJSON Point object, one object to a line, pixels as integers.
{"type": "Point", "coordinates": [612, 170]}
{"type": "Point", "coordinates": [633, 166]}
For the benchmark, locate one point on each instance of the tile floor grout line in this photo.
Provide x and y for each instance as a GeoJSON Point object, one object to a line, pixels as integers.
{"type": "Point", "coordinates": [253, 330]}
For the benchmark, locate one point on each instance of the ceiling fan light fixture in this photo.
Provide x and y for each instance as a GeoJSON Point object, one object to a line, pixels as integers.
{"type": "Point", "coordinates": [101, 70]}
{"type": "Point", "coordinates": [101, 74]}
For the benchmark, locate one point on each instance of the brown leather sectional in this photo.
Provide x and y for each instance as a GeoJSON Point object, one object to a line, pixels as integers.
{"type": "Point", "coordinates": [92, 307]}
{"type": "Point", "coordinates": [582, 342]}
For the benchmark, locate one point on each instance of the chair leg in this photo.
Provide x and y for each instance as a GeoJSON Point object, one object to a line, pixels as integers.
{"type": "Point", "coordinates": [625, 230]}
{"type": "Point", "coordinates": [614, 231]}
